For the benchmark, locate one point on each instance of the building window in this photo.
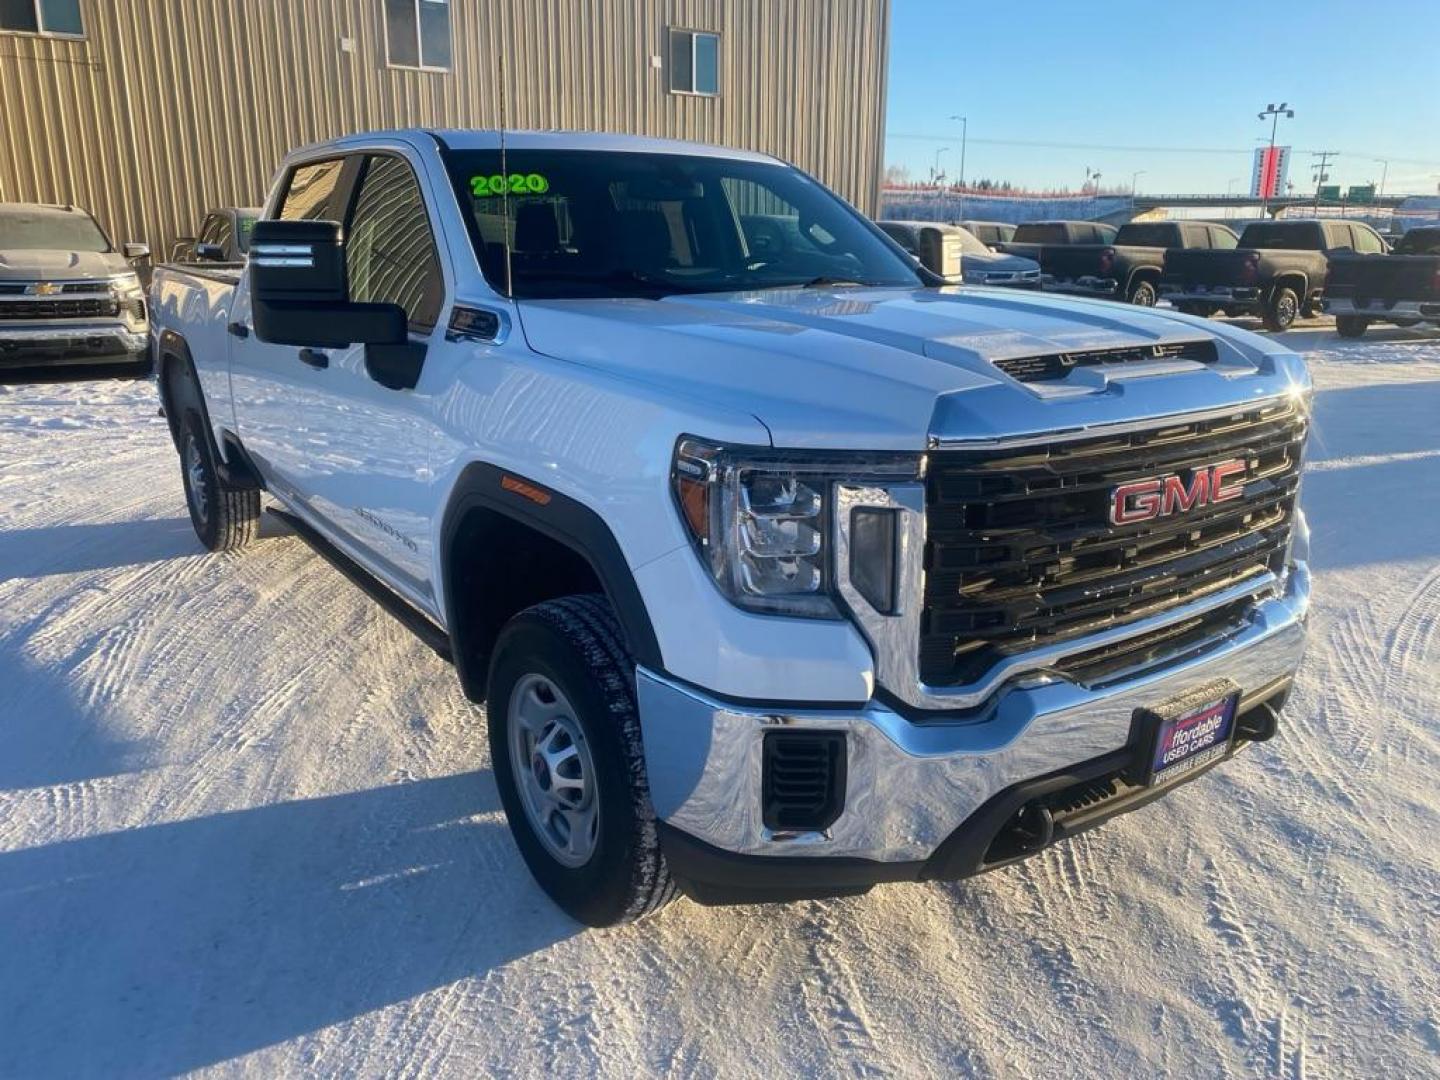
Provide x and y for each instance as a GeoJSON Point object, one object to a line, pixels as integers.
{"type": "Point", "coordinates": [417, 34]}
{"type": "Point", "coordinates": [694, 62]}
{"type": "Point", "coordinates": [42, 17]}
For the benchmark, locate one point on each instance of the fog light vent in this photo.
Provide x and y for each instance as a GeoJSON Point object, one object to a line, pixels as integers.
{"type": "Point", "coordinates": [802, 779]}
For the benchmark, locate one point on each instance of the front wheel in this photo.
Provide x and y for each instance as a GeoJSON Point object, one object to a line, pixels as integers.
{"type": "Point", "coordinates": [1350, 326]}
{"type": "Point", "coordinates": [1142, 294]}
{"type": "Point", "coordinates": [566, 747]}
{"type": "Point", "coordinates": [1281, 311]}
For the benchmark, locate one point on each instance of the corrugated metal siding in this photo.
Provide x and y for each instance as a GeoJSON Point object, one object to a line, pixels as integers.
{"type": "Point", "coordinates": [169, 107]}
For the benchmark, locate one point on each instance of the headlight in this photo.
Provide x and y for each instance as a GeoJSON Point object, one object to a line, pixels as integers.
{"type": "Point", "coordinates": [761, 518]}
{"type": "Point", "coordinates": [126, 286]}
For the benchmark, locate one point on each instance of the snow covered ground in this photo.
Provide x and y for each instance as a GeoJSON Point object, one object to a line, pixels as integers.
{"type": "Point", "coordinates": [248, 824]}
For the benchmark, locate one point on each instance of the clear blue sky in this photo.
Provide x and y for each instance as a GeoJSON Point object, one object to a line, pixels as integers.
{"type": "Point", "coordinates": [1363, 77]}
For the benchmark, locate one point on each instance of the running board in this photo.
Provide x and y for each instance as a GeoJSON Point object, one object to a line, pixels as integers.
{"type": "Point", "coordinates": [418, 624]}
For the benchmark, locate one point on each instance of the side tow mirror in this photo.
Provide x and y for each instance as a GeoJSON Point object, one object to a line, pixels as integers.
{"type": "Point", "coordinates": [209, 253]}
{"type": "Point", "coordinates": [134, 252]}
{"type": "Point", "coordinates": [299, 295]}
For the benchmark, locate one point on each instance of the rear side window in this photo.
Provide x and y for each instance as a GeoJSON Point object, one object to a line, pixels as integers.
{"type": "Point", "coordinates": [897, 233]}
{"type": "Point", "coordinates": [1222, 238]}
{"type": "Point", "coordinates": [1158, 235]}
{"type": "Point", "coordinates": [310, 195]}
{"type": "Point", "coordinates": [1367, 242]}
{"type": "Point", "coordinates": [389, 248]}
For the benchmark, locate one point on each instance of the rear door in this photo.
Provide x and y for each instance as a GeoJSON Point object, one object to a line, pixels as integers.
{"type": "Point", "coordinates": [354, 453]}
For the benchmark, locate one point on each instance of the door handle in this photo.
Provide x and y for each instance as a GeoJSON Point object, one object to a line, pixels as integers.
{"type": "Point", "coordinates": [238, 329]}
{"type": "Point", "coordinates": [314, 358]}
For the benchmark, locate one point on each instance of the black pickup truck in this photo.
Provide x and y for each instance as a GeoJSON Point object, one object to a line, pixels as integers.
{"type": "Point", "coordinates": [1278, 271]}
{"type": "Point", "coordinates": [1129, 269]}
{"type": "Point", "coordinates": [1030, 237]}
{"type": "Point", "coordinates": [1402, 288]}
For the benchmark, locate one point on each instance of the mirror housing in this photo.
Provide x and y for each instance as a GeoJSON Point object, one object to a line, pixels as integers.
{"type": "Point", "coordinates": [299, 294]}
{"type": "Point", "coordinates": [133, 251]}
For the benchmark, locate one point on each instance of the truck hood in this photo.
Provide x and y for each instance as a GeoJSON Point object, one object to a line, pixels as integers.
{"type": "Point", "coordinates": [27, 265]}
{"type": "Point", "coordinates": [887, 369]}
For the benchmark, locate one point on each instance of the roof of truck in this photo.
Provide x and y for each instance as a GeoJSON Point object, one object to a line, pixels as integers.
{"type": "Point", "coordinates": [489, 139]}
{"type": "Point", "coordinates": [40, 208]}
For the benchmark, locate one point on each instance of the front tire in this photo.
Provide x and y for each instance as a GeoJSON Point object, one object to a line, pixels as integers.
{"type": "Point", "coordinates": [566, 747]}
{"type": "Point", "coordinates": [1142, 294]}
{"type": "Point", "coordinates": [1281, 311]}
{"type": "Point", "coordinates": [225, 517]}
{"type": "Point", "coordinates": [1351, 326]}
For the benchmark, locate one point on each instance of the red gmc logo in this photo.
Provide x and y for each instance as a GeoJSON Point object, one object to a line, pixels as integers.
{"type": "Point", "coordinates": [1161, 496]}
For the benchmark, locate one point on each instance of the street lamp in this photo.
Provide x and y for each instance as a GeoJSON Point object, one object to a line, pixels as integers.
{"type": "Point", "coordinates": [964, 138]}
{"type": "Point", "coordinates": [1274, 112]}
{"type": "Point", "coordinates": [1134, 177]}
{"type": "Point", "coordinates": [935, 172]}
{"type": "Point", "coordinates": [1383, 174]}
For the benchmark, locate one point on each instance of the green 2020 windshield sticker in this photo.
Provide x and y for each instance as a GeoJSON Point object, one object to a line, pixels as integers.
{"type": "Point", "coordinates": [515, 183]}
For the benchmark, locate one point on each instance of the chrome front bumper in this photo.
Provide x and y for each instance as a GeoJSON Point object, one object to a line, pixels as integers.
{"type": "Point", "coordinates": [72, 341]}
{"type": "Point", "coordinates": [1104, 288]}
{"type": "Point", "coordinates": [911, 784]}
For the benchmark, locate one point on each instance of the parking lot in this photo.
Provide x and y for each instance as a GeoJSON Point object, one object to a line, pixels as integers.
{"type": "Point", "coordinates": [247, 821]}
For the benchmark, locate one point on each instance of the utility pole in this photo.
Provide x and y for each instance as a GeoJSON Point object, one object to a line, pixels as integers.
{"type": "Point", "coordinates": [964, 138]}
{"type": "Point", "coordinates": [935, 172]}
{"type": "Point", "coordinates": [1274, 112]}
{"type": "Point", "coordinates": [1383, 174]}
{"type": "Point", "coordinates": [1320, 174]}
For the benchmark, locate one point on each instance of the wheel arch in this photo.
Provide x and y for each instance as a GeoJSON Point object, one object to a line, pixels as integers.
{"type": "Point", "coordinates": [173, 358]}
{"type": "Point", "coordinates": [541, 544]}
{"type": "Point", "coordinates": [1293, 279]}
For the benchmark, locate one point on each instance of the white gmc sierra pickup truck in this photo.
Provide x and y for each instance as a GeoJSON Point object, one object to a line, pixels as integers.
{"type": "Point", "coordinates": [782, 570]}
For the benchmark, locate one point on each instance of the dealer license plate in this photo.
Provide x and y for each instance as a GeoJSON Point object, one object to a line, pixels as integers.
{"type": "Point", "coordinates": [1189, 734]}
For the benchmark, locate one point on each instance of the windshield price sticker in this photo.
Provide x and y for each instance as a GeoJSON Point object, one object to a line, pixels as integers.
{"type": "Point", "coordinates": [515, 184]}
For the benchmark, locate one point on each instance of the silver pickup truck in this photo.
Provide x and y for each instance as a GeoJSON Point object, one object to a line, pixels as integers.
{"type": "Point", "coordinates": [67, 295]}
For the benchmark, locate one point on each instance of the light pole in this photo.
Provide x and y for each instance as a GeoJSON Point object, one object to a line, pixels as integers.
{"type": "Point", "coordinates": [964, 138]}
{"type": "Point", "coordinates": [1383, 174]}
{"type": "Point", "coordinates": [1274, 112]}
{"type": "Point", "coordinates": [1134, 178]}
{"type": "Point", "coordinates": [935, 172]}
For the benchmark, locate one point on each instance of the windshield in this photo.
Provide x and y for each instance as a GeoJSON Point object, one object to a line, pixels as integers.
{"type": "Point", "coordinates": [244, 226]}
{"type": "Point", "coordinates": [44, 229]}
{"type": "Point", "coordinates": [586, 223]}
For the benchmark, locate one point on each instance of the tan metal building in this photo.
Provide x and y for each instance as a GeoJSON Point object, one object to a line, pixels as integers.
{"type": "Point", "coordinates": [148, 112]}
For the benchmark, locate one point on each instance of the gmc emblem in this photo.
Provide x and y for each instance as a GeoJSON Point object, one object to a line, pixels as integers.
{"type": "Point", "coordinates": [1161, 496]}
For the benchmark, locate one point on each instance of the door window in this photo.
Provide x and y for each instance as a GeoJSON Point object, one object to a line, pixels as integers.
{"type": "Point", "coordinates": [389, 248]}
{"type": "Point", "coordinates": [1367, 242]}
{"type": "Point", "coordinates": [310, 193]}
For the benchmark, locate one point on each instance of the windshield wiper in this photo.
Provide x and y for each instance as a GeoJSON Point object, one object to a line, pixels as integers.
{"type": "Point", "coordinates": [826, 281]}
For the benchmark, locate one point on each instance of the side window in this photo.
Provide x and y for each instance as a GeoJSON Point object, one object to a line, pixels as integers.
{"type": "Point", "coordinates": [223, 232]}
{"type": "Point", "coordinates": [209, 230]}
{"type": "Point", "coordinates": [1367, 242]}
{"type": "Point", "coordinates": [1337, 236]}
{"type": "Point", "coordinates": [309, 195]}
{"type": "Point", "coordinates": [389, 248]}
{"type": "Point", "coordinates": [1222, 239]}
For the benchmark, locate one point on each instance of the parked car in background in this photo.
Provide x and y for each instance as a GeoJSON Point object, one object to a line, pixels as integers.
{"type": "Point", "coordinates": [224, 237]}
{"type": "Point", "coordinates": [1031, 236]}
{"type": "Point", "coordinates": [1277, 271]}
{"type": "Point", "coordinates": [781, 574]}
{"type": "Point", "coordinates": [1401, 288]}
{"type": "Point", "coordinates": [978, 264]}
{"type": "Point", "coordinates": [67, 295]}
{"type": "Point", "coordinates": [1129, 269]}
{"type": "Point", "coordinates": [990, 233]}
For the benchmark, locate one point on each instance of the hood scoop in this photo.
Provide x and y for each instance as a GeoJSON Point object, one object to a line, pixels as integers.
{"type": "Point", "coordinates": [1051, 367]}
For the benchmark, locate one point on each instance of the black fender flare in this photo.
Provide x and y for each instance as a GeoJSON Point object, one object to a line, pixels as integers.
{"type": "Point", "coordinates": [563, 519]}
{"type": "Point", "coordinates": [231, 461]}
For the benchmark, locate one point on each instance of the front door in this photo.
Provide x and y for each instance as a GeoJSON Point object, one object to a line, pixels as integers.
{"type": "Point", "coordinates": [350, 454]}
